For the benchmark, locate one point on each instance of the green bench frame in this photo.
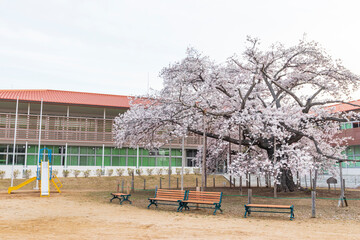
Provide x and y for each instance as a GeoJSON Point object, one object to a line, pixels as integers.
{"type": "Point", "coordinates": [182, 200]}
{"type": "Point", "coordinates": [266, 208]}
{"type": "Point", "coordinates": [165, 195]}
{"type": "Point", "coordinates": [208, 198]}
{"type": "Point", "coordinates": [122, 197]}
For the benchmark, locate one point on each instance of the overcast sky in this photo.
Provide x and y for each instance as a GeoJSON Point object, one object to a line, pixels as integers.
{"type": "Point", "coordinates": [116, 46]}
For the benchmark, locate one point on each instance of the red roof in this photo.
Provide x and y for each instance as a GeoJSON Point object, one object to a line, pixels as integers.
{"type": "Point", "coordinates": [342, 107]}
{"type": "Point", "coordinates": [67, 97]}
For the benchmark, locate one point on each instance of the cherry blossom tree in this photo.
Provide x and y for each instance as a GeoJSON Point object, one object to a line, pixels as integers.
{"type": "Point", "coordinates": [271, 105]}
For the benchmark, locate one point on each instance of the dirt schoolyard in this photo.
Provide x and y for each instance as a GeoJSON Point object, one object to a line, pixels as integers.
{"type": "Point", "coordinates": [84, 212]}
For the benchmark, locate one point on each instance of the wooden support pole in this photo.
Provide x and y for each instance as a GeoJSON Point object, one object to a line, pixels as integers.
{"type": "Point", "coordinates": [240, 185]}
{"type": "Point", "coordinates": [197, 205]}
{"type": "Point", "coordinates": [127, 187]}
{"type": "Point", "coordinates": [269, 180]}
{"type": "Point", "coordinates": [234, 182]}
{"type": "Point", "coordinates": [313, 204]}
{"type": "Point", "coordinates": [249, 195]}
{"type": "Point", "coordinates": [144, 184]}
{"type": "Point", "coordinates": [257, 182]}
{"type": "Point", "coordinates": [249, 180]}
{"type": "Point", "coordinates": [177, 183]}
{"type": "Point", "coordinates": [342, 193]}
{"type": "Point", "coordinates": [214, 182]}
{"type": "Point", "coordinates": [132, 182]}
{"type": "Point", "coordinates": [275, 187]}
{"type": "Point", "coordinates": [160, 183]}
{"type": "Point", "coordinates": [197, 182]}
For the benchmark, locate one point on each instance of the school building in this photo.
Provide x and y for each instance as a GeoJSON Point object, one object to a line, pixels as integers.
{"type": "Point", "coordinates": [77, 127]}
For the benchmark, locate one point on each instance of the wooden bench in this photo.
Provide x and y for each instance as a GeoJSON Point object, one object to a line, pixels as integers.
{"type": "Point", "coordinates": [165, 195]}
{"type": "Point", "coordinates": [207, 198]}
{"type": "Point", "coordinates": [266, 208]}
{"type": "Point", "coordinates": [121, 196]}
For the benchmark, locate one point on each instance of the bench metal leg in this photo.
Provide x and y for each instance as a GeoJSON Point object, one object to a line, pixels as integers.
{"type": "Point", "coordinates": [247, 211]}
{"type": "Point", "coordinates": [217, 207]}
{"type": "Point", "coordinates": [292, 215]}
{"type": "Point", "coordinates": [152, 202]}
{"type": "Point", "coordinates": [113, 198]}
{"type": "Point", "coordinates": [125, 198]}
{"type": "Point", "coordinates": [181, 205]}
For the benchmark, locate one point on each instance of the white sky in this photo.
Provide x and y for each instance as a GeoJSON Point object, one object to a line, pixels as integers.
{"type": "Point", "coordinates": [113, 46]}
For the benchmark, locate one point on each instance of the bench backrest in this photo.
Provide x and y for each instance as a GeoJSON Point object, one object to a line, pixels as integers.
{"type": "Point", "coordinates": [170, 194]}
{"type": "Point", "coordinates": [204, 196]}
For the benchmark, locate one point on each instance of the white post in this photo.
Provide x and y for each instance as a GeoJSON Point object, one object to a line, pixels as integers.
{"type": "Point", "coordinates": [26, 152]}
{"type": "Point", "coordinates": [14, 148]}
{"type": "Point", "coordinates": [183, 163]}
{"type": "Point", "coordinates": [203, 177]}
{"type": "Point", "coordinates": [65, 163]}
{"type": "Point", "coordinates": [137, 156]}
{"type": "Point", "coordinates": [103, 158]}
{"type": "Point", "coordinates": [170, 165]}
{"type": "Point", "coordinates": [40, 126]}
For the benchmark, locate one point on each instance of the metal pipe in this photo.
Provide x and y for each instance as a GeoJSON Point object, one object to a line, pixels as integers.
{"type": "Point", "coordinates": [14, 148]}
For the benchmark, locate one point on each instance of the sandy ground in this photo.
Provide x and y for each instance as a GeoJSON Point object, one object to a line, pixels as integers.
{"type": "Point", "coordinates": [27, 216]}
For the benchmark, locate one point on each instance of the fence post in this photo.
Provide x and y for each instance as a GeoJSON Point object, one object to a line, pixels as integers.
{"type": "Point", "coordinates": [249, 180]}
{"type": "Point", "coordinates": [240, 185]}
{"type": "Point", "coordinates": [197, 189]}
{"type": "Point", "coordinates": [214, 182]}
{"type": "Point", "coordinates": [132, 182]}
{"type": "Point", "coordinates": [177, 183]}
{"type": "Point", "coordinates": [249, 195]}
{"type": "Point", "coordinates": [234, 182]}
{"type": "Point", "coordinates": [196, 182]}
{"type": "Point", "coordinates": [257, 181]}
{"type": "Point", "coordinates": [144, 184]}
{"type": "Point", "coordinates": [313, 204]}
{"type": "Point", "coordinates": [160, 183]}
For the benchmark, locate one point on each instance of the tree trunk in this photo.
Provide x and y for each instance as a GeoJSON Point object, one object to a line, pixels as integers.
{"type": "Point", "coordinates": [286, 181]}
{"type": "Point", "coordinates": [286, 178]}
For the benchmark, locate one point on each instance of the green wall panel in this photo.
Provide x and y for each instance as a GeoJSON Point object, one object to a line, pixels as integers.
{"type": "Point", "coordinates": [31, 160]}
{"type": "Point", "coordinates": [107, 161]}
{"type": "Point", "coordinates": [132, 161]}
{"type": "Point", "coordinates": [122, 161]}
{"type": "Point", "coordinates": [56, 160]}
{"type": "Point", "coordinates": [98, 161]}
{"type": "Point", "coordinates": [132, 151]}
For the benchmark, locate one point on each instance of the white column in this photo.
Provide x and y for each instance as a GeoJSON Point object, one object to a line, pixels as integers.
{"type": "Point", "coordinates": [40, 126]}
{"type": "Point", "coordinates": [103, 157]}
{"type": "Point", "coordinates": [137, 157]}
{"type": "Point", "coordinates": [67, 111]}
{"type": "Point", "coordinates": [183, 162]}
{"type": "Point", "coordinates": [170, 165]}
{"type": "Point", "coordinates": [65, 163]}
{"type": "Point", "coordinates": [14, 148]}
{"type": "Point", "coordinates": [26, 152]}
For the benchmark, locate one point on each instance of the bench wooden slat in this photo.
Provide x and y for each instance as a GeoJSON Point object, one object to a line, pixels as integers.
{"type": "Point", "coordinates": [268, 206]}
{"type": "Point", "coordinates": [200, 202]}
{"type": "Point", "coordinates": [164, 199]}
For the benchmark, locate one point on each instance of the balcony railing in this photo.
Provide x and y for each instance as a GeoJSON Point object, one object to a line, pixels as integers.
{"type": "Point", "coordinates": [65, 129]}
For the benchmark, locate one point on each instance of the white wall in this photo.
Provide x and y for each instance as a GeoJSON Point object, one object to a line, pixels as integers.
{"type": "Point", "coordinates": [92, 169]}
